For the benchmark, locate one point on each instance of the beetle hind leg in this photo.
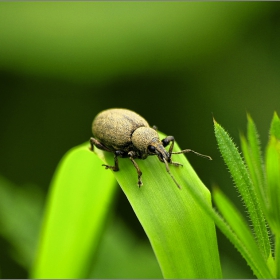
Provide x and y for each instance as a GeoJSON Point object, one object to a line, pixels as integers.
{"type": "Point", "coordinates": [97, 144]}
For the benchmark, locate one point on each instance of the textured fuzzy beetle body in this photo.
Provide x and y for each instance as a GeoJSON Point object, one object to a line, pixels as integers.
{"type": "Point", "coordinates": [118, 129]}
{"type": "Point", "coordinates": [127, 134]}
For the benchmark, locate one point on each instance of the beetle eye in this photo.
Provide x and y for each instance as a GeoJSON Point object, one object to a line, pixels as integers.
{"type": "Point", "coordinates": [151, 149]}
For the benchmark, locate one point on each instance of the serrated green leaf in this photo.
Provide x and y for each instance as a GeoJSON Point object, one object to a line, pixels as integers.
{"type": "Point", "coordinates": [79, 199]}
{"type": "Point", "coordinates": [183, 237]}
{"type": "Point", "coordinates": [239, 226]}
{"type": "Point", "coordinates": [244, 185]}
{"type": "Point", "coordinates": [257, 265]}
{"type": "Point", "coordinates": [252, 154]}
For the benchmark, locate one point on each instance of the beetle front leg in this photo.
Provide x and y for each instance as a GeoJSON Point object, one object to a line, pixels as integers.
{"type": "Point", "coordinates": [139, 172]}
{"type": "Point", "coordinates": [165, 142]}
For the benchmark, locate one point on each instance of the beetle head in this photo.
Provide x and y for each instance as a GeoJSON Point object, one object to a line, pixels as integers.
{"type": "Point", "coordinates": [147, 142]}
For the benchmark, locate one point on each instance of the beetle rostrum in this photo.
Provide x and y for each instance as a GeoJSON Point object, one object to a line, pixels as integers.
{"type": "Point", "coordinates": [128, 135]}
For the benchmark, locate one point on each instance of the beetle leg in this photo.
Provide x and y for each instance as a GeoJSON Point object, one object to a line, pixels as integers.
{"type": "Point", "coordinates": [94, 142]}
{"type": "Point", "coordinates": [168, 171]}
{"type": "Point", "coordinates": [100, 146]}
{"type": "Point", "coordinates": [175, 163]}
{"type": "Point", "coordinates": [166, 142]}
{"type": "Point", "coordinates": [116, 167]}
{"type": "Point", "coordinates": [139, 172]}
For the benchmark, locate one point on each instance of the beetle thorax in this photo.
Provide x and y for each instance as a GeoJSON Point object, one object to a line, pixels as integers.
{"type": "Point", "coordinates": [142, 137]}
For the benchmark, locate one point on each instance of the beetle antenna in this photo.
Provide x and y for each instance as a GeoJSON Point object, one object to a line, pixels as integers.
{"type": "Point", "coordinates": [168, 170]}
{"type": "Point", "coordinates": [188, 150]}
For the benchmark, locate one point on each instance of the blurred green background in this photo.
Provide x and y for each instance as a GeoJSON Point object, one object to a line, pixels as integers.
{"type": "Point", "coordinates": [178, 64]}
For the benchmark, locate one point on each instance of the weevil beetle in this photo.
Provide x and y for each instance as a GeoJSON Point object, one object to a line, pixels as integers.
{"type": "Point", "coordinates": [128, 135]}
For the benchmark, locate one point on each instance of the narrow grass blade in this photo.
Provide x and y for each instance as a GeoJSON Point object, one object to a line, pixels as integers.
{"type": "Point", "coordinates": [275, 126]}
{"type": "Point", "coordinates": [239, 226]}
{"type": "Point", "coordinates": [252, 154]}
{"type": "Point", "coordinates": [273, 182]}
{"type": "Point", "coordinates": [79, 200]}
{"type": "Point", "coordinates": [277, 255]}
{"type": "Point", "coordinates": [234, 218]}
{"type": "Point", "coordinates": [273, 185]}
{"type": "Point", "coordinates": [182, 235]}
{"type": "Point", "coordinates": [257, 264]}
{"type": "Point", "coordinates": [244, 185]}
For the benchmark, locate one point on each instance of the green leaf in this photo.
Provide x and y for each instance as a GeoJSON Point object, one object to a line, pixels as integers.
{"type": "Point", "coordinates": [239, 226]}
{"type": "Point", "coordinates": [277, 255]}
{"type": "Point", "coordinates": [275, 126]}
{"type": "Point", "coordinates": [252, 154]}
{"type": "Point", "coordinates": [273, 173]}
{"type": "Point", "coordinates": [273, 182]}
{"type": "Point", "coordinates": [273, 185]}
{"type": "Point", "coordinates": [182, 235]}
{"type": "Point", "coordinates": [258, 265]}
{"type": "Point", "coordinates": [234, 218]}
{"type": "Point", "coordinates": [244, 185]}
{"type": "Point", "coordinates": [79, 200]}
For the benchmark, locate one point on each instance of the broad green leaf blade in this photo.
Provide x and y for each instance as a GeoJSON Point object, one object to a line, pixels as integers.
{"type": "Point", "coordinates": [182, 235]}
{"type": "Point", "coordinates": [252, 154]}
{"type": "Point", "coordinates": [77, 205]}
{"type": "Point", "coordinates": [244, 185]}
{"type": "Point", "coordinates": [239, 226]}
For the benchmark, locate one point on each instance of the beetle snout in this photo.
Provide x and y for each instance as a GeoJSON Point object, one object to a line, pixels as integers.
{"type": "Point", "coordinates": [163, 154]}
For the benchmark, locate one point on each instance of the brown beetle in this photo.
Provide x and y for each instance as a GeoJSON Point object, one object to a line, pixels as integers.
{"type": "Point", "coordinates": [127, 134]}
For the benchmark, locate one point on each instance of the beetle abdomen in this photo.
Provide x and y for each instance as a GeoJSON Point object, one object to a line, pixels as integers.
{"type": "Point", "coordinates": [114, 127]}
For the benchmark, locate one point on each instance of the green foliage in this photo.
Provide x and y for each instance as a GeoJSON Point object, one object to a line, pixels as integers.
{"type": "Point", "coordinates": [182, 236]}
{"type": "Point", "coordinates": [21, 211]}
{"type": "Point", "coordinates": [174, 222]}
{"type": "Point", "coordinates": [258, 185]}
{"type": "Point", "coordinates": [76, 242]}
{"type": "Point", "coordinates": [77, 206]}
